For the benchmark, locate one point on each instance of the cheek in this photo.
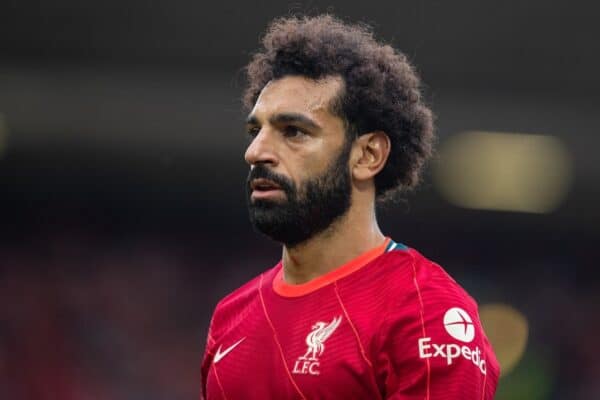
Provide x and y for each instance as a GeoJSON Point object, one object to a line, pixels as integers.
{"type": "Point", "coordinates": [311, 161]}
{"type": "Point", "coordinates": [309, 168]}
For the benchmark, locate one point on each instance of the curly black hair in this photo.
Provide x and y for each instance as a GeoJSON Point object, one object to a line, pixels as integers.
{"type": "Point", "coordinates": [381, 92]}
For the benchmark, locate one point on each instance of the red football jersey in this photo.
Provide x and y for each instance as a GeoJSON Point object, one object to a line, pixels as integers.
{"type": "Point", "coordinates": [389, 324]}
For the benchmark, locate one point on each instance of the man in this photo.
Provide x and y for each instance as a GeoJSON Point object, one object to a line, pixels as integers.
{"type": "Point", "coordinates": [336, 124]}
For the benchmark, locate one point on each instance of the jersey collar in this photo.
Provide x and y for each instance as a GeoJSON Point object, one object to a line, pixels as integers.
{"type": "Point", "coordinates": [287, 290]}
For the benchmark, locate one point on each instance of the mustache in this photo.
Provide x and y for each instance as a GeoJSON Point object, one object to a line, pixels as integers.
{"type": "Point", "coordinates": [260, 171]}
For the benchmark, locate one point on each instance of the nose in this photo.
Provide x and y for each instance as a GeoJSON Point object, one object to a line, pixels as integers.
{"type": "Point", "coordinates": [261, 149]}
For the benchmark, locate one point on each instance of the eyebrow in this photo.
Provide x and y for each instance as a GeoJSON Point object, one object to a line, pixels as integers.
{"type": "Point", "coordinates": [286, 118]}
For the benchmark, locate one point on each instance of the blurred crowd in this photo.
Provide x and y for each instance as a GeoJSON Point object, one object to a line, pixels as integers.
{"type": "Point", "coordinates": [81, 319]}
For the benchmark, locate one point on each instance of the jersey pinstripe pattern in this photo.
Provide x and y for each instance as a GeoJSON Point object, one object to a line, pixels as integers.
{"type": "Point", "coordinates": [390, 324]}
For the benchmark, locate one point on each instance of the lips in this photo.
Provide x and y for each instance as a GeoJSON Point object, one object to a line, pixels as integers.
{"type": "Point", "coordinates": [265, 189]}
{"type": "Point", "coordinates": [262, 184]}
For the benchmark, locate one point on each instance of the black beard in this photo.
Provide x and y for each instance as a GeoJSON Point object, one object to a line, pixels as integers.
{"type": "Point", "coordinates": [319, 203]}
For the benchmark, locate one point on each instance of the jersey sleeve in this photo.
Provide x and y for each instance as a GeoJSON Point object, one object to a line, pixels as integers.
{"type": "Point", "coordinates": [432, 342]}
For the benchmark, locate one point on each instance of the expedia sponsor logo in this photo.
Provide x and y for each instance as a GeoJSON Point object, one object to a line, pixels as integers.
{"type": "Point", "coordinates": [450, 352]}
{"type": "Point", "coordinates": [459, 325]}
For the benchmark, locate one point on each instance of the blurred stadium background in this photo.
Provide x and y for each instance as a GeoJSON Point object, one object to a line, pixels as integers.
{"type": "Point", "coordinates": [123, 214]}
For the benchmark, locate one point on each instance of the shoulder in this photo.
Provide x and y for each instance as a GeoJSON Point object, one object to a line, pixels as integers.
{"type": "Point", "coordinates": [240, 294]}
{"type": "Point", "coordinates": [431, 331]}
{"type": "Point", "coordinates": [235, 303]}
{"type": "Point", "coordinates": [437, 290]}
{"type": "Point", "coordinates": [418, 295]}
{"type": "Point", "coordinates": [420, 281]}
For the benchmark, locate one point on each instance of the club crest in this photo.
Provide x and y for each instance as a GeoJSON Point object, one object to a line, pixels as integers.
{"type": "Point", "coordinates": [315, 342]}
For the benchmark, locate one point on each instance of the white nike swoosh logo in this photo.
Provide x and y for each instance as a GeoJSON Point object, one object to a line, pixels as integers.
{"type": "Point", "coordinates": [220, 354]}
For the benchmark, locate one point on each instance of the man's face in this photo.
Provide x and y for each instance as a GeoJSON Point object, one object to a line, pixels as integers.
{"type": "Point", "coordinates": [299, 181]}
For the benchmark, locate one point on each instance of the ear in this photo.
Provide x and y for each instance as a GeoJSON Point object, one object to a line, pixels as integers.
{"type": "Point", "coordinates": [370, 152]}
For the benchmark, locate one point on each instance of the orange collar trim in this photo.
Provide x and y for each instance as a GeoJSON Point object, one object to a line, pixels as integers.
{"type": "Point", "coordinates": [287, 290]}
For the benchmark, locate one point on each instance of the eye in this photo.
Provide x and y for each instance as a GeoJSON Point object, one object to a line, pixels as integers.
{"type": "Point", "coordinates": [292, 131]}
{"type": "Point", "coordinates": [253, 132]}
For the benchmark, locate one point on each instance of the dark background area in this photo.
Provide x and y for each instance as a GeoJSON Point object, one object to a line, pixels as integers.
{"type": "Point", "coordinates": [122, 171]}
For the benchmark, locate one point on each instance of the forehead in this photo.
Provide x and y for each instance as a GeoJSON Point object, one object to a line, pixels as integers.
{"type": "Point", "coordinates": [298, 94]}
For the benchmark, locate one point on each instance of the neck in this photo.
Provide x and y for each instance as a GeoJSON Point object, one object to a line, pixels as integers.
{"type": "Point", "coordinates": [353, 234]}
